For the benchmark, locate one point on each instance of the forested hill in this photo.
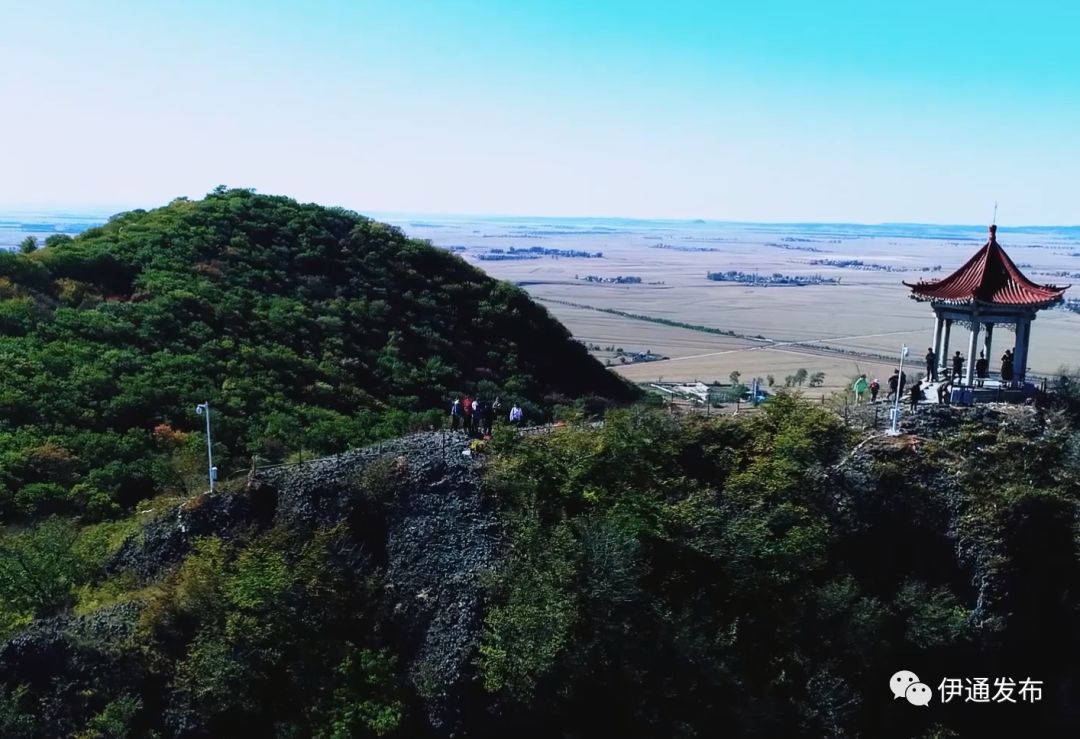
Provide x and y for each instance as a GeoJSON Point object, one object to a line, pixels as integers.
{"type": "Point", "coordinates": [309, 329]}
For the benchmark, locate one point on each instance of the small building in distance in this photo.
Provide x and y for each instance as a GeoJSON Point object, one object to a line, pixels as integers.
{"type": "Point", "coordinates": [989, 289]}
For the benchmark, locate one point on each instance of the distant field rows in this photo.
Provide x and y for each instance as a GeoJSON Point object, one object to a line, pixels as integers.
{"type": "Point", "coordinates": [763, 341]}
{"type": "Point", "coordinates": [710, 329]}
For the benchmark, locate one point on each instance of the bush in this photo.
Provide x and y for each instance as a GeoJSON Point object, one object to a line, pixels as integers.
{"type": "Point", "coordinates": [40, 568]}
{"type": "Point", "coordinates": [16, 714]}
{"type": "Point", "coordinates": [41, 498]}
{"type": "Point", "coordinates": [115, 720]}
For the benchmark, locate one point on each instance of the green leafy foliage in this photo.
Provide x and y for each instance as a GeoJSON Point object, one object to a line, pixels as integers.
{"type": "Point", "coordinates": [38, 569]}
{"type": "Point", "coordinates": [43, 567]}
{"type": "Point", "coordinates": [308, 329]}
{"type": "Point", "coordinates": [670, 577]}
{"type": "Point", "coordinates": [526, 633]}
{"type": "Point", "coordinates": [16, 718]}
{"type": "Point", "coordinates": [115, 720]}
{"type": "Point", "coordinates": [270, 633]}
{"type": "Point", "coordinates": [362, 702]}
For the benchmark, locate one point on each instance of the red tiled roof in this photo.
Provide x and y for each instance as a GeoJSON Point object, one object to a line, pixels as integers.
{"type": "Point", "coordinates": [989, 277]}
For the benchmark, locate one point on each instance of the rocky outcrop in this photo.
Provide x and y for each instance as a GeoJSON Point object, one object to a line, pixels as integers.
{"type": "Point", "coordinates": [933, 483]}
{"type": "Point", "coordinates": [441, 538]}
{"type": "Point", "coordinates": [413, 503]}
{"type": "Point", "coordinates": [58, 657]}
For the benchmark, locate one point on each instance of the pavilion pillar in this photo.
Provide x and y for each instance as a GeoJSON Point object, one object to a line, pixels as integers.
{"type": "Point", "coordinates": [1022, 369]}
{"type": "Point", "coordinates": [986, 344]}
{"type": "Point", "coordinates": [973, 342]}
{"type": "Point", "coordinates": [1020, 349]}
{"type": "Point", "coordinates": [938, 325]}
{"type": "Point", "coordinates": [943, 355]}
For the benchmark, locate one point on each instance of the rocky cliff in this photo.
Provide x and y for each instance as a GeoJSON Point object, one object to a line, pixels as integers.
{"type": "Point", "coordinates": [414, 506]}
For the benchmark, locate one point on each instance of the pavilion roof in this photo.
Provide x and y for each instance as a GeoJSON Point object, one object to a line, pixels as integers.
{"type": "Point", "coordinates": [990, 277]}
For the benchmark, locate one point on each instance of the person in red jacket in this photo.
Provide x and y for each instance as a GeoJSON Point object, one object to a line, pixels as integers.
{"type": "Point", "coordinates": [466, 413]}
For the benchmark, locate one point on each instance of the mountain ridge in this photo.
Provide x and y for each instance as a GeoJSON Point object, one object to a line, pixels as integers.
{"type": "Point", "coordinates": [308, 329]}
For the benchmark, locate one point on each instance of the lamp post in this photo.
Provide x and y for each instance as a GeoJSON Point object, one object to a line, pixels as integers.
{"type": "Point", "coordinates": [894, 412]}
{"type": "Point", "coordinates": [203, 409]}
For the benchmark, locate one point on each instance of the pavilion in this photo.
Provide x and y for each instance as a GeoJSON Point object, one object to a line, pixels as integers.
{"type": "Point", "coordinates": [987, 290]}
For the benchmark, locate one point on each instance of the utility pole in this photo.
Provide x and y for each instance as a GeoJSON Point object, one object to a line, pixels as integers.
{"type": "Point", "coordinates": [203, 409]}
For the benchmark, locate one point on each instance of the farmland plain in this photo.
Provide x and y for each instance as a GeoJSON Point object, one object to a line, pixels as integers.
{"type": "Point", "coordinates": [855, 322]}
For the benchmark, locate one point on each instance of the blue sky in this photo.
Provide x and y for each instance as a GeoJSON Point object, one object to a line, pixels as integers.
{"type": "Point", "coordinates": [780, 111]}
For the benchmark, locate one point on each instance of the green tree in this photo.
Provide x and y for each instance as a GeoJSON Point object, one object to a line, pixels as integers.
{"type": "Point", "coordinates": [39, 568]}
{"type": "Point", "coordinates": [56, 239]}
{"type": "Point", "coordinates": [524, 636]}
{"type": "Point", "coordinates": [115, 720]}
{"type": "Point", "coordinates": [16, 714]}
{"type": "Point", "coordinates": [364, 699]}
{"type": "Point", "coordinates": [28, 245]}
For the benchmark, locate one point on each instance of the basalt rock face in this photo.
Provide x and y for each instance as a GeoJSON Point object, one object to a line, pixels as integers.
{"type": "Point", "coordinates": [166, 540]}
{"type": "Point", "coordinates": [414, 505]}
{"type": "Point", "coordinates": [439, 538]}
{"type": "Point", "coordinates": [931, 420]}
{"type": "Point", "coordinates": [58, 657]}
{"type": "Point", "coordinates": [921, 481]}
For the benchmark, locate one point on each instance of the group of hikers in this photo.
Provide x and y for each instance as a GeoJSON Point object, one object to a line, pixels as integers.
{"type": "Point", "coordinates": [898, 384]}
{"type": "Point", "coordinates": [982, 367]}
{"type": "Point", "coordinates": [477, 417]}
{"type": "Point", "coordinates": [916, 392]}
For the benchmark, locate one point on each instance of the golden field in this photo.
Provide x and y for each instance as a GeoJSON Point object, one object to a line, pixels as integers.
{"type": "Point", "coordinates": [868, 312]}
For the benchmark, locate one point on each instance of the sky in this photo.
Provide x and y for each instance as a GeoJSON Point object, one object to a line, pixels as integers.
{"type": "Point", "coordinates": [767, 111]}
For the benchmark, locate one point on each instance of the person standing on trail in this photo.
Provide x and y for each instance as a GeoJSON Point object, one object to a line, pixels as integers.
{"type": "Point", "coordinates": [476, 410]}
{"type": "Point", "coordinates": [957, 365]}
{"type": "Point", "coordinates": [466, 413]}
{"type": "Point", "coordinates": [860, 387]}
{"type": "Point", "coordinates": [931, 365]}
{"type": "Point", "coordinates": [493, 414]}
{"type": "Point", "coordinates": [916, 394]}
{"type": "Point", "coordinates": [1007, 367]}
{"type": "Point", "coordinates": [982, 368]}
{"type": "Point", "coordinates": [455, 415]}
{"type": "Point", "coordinates": [486, 412]}
{"type": "Point", "coordinates": [875, 388]}
{"type": "Point", "coordinates": [894, 385]}
{"type": "Point", "coordinates": [515, 414]}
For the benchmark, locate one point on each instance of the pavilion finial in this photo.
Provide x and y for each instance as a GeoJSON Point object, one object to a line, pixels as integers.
{"type": "Point", "coordinates": [993, 221]}
{"type": "Point", "coordinates": [993, 232]}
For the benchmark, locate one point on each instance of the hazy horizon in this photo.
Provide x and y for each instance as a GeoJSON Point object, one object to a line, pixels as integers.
{"type": "Point", "coordinates": [105, 212]}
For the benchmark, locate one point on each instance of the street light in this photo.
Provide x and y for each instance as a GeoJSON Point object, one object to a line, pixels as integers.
{"type": "Point", "coordinates": [894, 412]}
{"type": "Point", "coordinates": [203, 409]}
